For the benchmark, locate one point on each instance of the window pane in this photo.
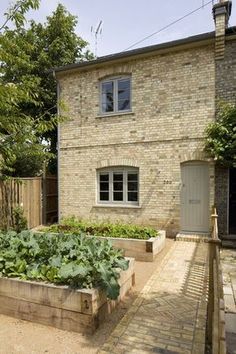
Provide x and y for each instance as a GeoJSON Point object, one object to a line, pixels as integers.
{"type": "Point", "coordinates": [107, 96]}
{"type": "Point", "coordinates": [118, 196]}
{"type": "Point", "coordinates": [132, 196]}
{"type": "Point", "coordinates": [118, 186]}
{"type": "Point", "coordinates": [107, 87]}
{"type": "Point", "coordinates": [123, 88]}
{"type": "Point", "coordinates": [108, 107]}
{"type": "Point", "coordinates": [104, 186]}
{"type": "Point", "coordinates": [132, 177]}
{"type": "Point", "coordinates": [123, 94]}
{"type": "Point", "coordinates": [104, 196]}
{"type": "Point", "coordinates": [132, 186]}
{"type": "Point", "coordinates": [117, 177]}
{"type": "Point", "coordinates": [104, 177]}
{"type": "Point", "coordinates": [123, 105]}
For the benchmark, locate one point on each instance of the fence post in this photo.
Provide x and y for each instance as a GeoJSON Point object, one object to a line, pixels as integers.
{"type": "Point", "coordinates": [214, 244]}
{"type": "Point", "coordinates": [214, 218]}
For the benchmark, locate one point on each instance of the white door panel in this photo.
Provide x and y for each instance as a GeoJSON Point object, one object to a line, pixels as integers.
{"type": "Point", "coordinates": [195, 197]}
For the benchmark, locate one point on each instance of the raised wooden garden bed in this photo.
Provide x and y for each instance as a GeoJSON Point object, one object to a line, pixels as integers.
{"type": "Point", "coordinates": [79, 310]}
{"type": "Point", "coordinates": [141, 250]}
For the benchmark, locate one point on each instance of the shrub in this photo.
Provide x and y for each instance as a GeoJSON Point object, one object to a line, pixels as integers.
{"type": "Point", "coordinates": [19, 220]}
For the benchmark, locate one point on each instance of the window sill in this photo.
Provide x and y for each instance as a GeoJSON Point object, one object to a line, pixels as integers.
{"type": "Point", "coordinates": [115, 114]}
{"type": "Point", "coordinates": [125, 206]}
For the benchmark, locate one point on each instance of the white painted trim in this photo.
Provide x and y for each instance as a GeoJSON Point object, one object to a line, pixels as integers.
{"type": "Point", "coordinates": [114, 114]}
{"type": "Point", "coordinates": [128, 206]}
{"type": "Point", "coordinates": [124, 170]}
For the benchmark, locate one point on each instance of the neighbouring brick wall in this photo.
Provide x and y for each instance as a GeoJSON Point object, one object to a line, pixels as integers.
{"type": "Point", "coordinates": [172, 102]}
{"type": "Point", "coordinates": [221, 192]}
{"type": "Point", "coordinates": [225, 92]}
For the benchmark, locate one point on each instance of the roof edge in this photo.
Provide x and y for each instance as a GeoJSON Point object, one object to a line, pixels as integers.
{"type": "Point", "coordinates": [142, 51]}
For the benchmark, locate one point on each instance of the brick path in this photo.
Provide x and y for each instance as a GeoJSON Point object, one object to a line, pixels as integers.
{"type": "Point", "coordinates": [170, 313]}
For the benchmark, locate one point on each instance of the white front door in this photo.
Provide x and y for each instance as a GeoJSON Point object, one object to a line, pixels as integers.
{"type": "Point", "coordinates": [195, 197]}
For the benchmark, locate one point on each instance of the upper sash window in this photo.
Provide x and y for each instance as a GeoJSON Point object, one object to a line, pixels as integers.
{"type": "Point", "coordinates": [116, 95]}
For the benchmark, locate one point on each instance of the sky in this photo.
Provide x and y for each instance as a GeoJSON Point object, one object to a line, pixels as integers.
{"type": "Point", "coordinates": [127, 21]}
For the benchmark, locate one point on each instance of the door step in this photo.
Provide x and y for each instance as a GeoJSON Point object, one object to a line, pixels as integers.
{"type": "Point", "coordinates": [229, 241]}
{"type": "Point", "coordinates": [229, 244]}
{"type": "Point", "coordinates": [192, 237]}
{"type": "Point", "coordinates": [229, 237]}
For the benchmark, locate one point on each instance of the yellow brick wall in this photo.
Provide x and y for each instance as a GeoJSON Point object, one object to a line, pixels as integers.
{"type": "Point", "coordinates": [173, 99]}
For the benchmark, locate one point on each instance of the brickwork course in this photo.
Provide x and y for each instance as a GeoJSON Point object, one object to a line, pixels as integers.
{"type": "Point", "coordinates": [169, 316]}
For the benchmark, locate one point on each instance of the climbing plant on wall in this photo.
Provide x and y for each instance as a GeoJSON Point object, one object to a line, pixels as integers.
{"type": "Point", "coordinates": [220, 142]}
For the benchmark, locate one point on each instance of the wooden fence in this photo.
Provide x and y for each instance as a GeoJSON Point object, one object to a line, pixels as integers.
{"type": "Point", "coordinates": [216, 307]}
{"type": "Point", "coordinates": [24, 192]}
{"type": "Point", "coordinates": [50, 200]}
{"type": "Point", "coordinates": [37, 196]}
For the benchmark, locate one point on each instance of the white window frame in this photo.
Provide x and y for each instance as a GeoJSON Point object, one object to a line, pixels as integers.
{"type": "Point", "coordinates": [125, 171]}
{"type": "Point", "coordinates": [115, 97]}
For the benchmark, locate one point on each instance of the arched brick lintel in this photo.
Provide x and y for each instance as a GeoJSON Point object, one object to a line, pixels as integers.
{"type": "Point", "coordinates": [117, 162]}
{"type": "Point", "coordinates": [111, 72]}
{"type": "Point", "coordinates": [194, 156]}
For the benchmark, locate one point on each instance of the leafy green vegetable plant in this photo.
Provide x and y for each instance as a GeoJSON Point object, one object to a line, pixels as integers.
{"type": "Point", "coordinates": [79, 261]}
{"type": "Point", "coordinates": [105, 229]}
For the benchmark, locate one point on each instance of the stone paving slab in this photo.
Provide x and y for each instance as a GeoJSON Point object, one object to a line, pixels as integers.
{"type": "Point", "coordinates": [169, 316]}
{"type": "Point", "coordinates": [228, 262]}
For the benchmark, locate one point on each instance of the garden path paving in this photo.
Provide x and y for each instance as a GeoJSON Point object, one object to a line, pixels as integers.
{"type": "Point", "coordinates": [228, 262]}
{"type": "Point", "coordinates": [169, 315]}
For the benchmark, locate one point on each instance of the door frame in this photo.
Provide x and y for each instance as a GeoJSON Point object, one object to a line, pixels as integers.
{"type": "Point", "coordinates": [228, 206]}
{"type": "Point", "coordinates": [228, 186]}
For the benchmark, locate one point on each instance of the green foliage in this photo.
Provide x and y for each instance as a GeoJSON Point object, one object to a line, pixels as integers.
{"type": "Point", "coordinates": [79, 261]}
{"type": "Point", "coordinates": [19, 220]}
{"type": "Point", "coordinates": [105, 229]}
{"type": "Point", "coordinates": [28, 102]}
{"type": "Point", "coordinates": [220, 142]}
{"type": "Point", "coordinates": [27, 160]}
{"type": "Point", "coordinates": [17, 11]}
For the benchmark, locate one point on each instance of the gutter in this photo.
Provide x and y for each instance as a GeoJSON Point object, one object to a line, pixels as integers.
{"type": "Point", "coordinates": [204, 38]}
{"type": "Point", "coordinates": [144, 51]}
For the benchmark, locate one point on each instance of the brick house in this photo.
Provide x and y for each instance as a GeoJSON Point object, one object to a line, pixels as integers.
{"type": "Point", "coordinates": [132, 149]}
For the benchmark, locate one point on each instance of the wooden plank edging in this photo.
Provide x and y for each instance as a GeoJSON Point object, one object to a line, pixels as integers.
{"type": "Point", "coordinates": [78, 310]}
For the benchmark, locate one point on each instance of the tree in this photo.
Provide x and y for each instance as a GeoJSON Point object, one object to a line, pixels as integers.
{"type": "Point", "coordinates": [16, 127]}
{"type": "Point", "coordinates": [220, 142]}
{"type": "Point", "coordinates": [16, 12]}
{"type": "Point", "coordinates": [28, 112]}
